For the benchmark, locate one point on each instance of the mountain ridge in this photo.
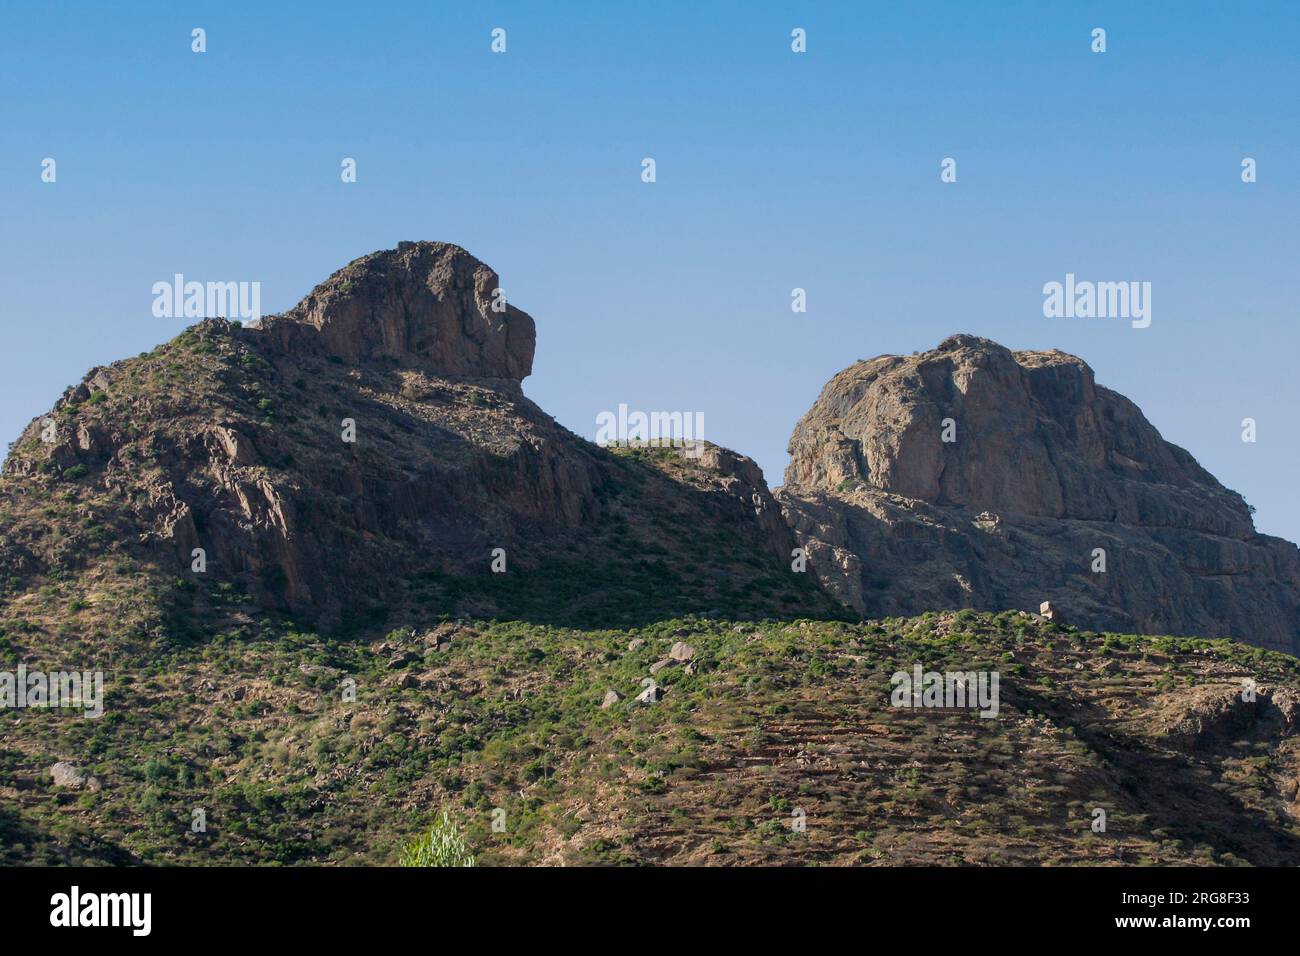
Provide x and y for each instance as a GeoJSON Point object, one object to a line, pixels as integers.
{"type": "Point", "coordinates": [469, 608]}
{"type": "Point", "coordinates": [414, 352]}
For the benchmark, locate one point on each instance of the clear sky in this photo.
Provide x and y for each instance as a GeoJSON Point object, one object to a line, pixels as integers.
{"type": "Point", "coordinates": [775, 170]}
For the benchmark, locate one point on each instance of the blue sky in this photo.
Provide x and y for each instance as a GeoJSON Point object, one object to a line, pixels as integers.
{"type": "Point", "coordinates": [775, 171]}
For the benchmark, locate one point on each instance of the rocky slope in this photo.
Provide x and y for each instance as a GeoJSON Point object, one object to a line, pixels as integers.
{"type": "Point", "coordinates": [364, 455]}
{"type": "Point", "coordinates": [647, 680]}
{"type": "Point", "coordinates": [1043, 470]}
{"type": "Point", "coordinates": [776, 744]}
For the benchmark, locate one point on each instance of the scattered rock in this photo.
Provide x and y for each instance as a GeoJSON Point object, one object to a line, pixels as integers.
{"type": "Point", "coordinates": [318, 670]}
{"type": "Point", "coordinates": [441, 636]}
{"type": "Point", "coordinates": [657, 666]}
{"type": "Point", "coordinates": [636, 643]}
{"type": "Point", "coordinates": [651, 695]}
{"type": "Point", "coordinates": [681, 652]}
{"type": "Point", "coordinates": [1051, 612]}
{"type": "Point", "coordinates": [612, 697]}
{"type": "Point", "coordinates": [1214, 715]}
{"type": "Point", "coordinates": [68, 776]}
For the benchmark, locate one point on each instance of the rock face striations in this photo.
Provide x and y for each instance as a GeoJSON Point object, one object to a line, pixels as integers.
{"type": "Point", "coordinates": [1044, 479]}
{"type": "Point", "coordinates": [371, 450]}
{"type": "Point", "coordinates": [428, 305]}
{"type": "Point", "coordinates": [370, 454]}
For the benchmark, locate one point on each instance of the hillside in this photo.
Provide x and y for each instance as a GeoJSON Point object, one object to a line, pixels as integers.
{"type": "Point", "coordinates": [776, 716]}
{"type": "Point", "coordinates": [236, 441]}
{"type": "Point", "coordinates": [340, 574]}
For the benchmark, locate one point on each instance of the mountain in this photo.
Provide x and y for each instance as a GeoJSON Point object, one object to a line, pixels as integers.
{"type": "Point", "coordinates": [358, 460]}
{"type": "Point", "coordinates": [340, 575]}
{"type": "Point", "coordinates": [1047, 479]}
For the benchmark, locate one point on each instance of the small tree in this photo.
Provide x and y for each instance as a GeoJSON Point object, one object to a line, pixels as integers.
{"type": "Point", "coordinates": [441, 846]}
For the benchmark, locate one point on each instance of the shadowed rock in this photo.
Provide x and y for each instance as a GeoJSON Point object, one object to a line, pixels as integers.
{"type": "Point", "coordinates": [429, 304]}
{"type": "Point", "coordinates": [365, 455]}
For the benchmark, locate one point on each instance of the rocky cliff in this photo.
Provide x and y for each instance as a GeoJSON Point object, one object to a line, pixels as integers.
{"type": "Point", "coordinates": [370, 455]}
{"type": "Point", "coordinates": [364, 456]}
{"type": "Point", "coordinates": [340, 574]}
{"type": "Point", "coordinates": [974, 476]}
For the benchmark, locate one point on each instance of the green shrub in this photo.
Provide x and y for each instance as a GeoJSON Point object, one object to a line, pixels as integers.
{"type": "Point", "coordinates": [441, 846]}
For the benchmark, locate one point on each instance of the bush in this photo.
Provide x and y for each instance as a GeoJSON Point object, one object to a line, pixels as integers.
{"type": "Point", "coordinates": [441, 846]}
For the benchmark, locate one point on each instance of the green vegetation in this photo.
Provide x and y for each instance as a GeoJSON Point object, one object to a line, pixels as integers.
{"type": "Point", "coordinates": [484, 720]}
{"type": "Point", "coordinates": [447, 692]}
{"type": "Point", "coordinates": [442, 845]}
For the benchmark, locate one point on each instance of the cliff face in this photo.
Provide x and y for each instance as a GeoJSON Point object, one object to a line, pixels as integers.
{"type": "Point", "coordinates": [427, 305]}
{"type": "Point", "coordinates": [368, 451]}
{"type": "Point", "coordinates": [379, 508]}
{"type": "Point", "coordinates": [1041, 468]}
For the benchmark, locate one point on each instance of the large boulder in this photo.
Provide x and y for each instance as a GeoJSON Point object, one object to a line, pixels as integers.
{"type": "Point", "coordinates": [974, 476]}
{"type": "Point", "coordinates": [68, 776]}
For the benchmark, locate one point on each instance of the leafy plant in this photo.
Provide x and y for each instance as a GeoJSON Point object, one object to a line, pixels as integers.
{"type": "Point", "coordinates": [441, 846]}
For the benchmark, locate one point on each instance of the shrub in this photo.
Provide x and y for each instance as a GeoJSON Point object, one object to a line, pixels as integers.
{"type": "Point", "coordinates": [441, 846]}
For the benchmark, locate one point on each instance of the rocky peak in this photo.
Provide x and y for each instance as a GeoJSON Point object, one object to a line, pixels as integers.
{"type": "Point", "coordinates": [365, 455]}
{"type": "Point", "coordinates": [1028, 433]}
{"type": "Point", "coordinates": [425, 304]}
{"type": "Point", "coordinates": [974, 476]}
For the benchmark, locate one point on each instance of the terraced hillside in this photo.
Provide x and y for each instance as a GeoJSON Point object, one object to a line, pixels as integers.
{"type": "Point", "coordinates": [502, 721]}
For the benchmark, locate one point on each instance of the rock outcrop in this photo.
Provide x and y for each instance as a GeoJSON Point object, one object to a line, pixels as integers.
{"type": "Point", "coordinates": [371, 450]}
{"type": "Point", "coordinates": [428, 304]}
{"type": "Point", "coordinates": [974, 476]}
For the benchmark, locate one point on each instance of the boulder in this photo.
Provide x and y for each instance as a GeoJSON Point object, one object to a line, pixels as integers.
{"type": "Point", "coordinates": [651, 695]}
{"type": "Point", "coordinates": [68, 776]}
